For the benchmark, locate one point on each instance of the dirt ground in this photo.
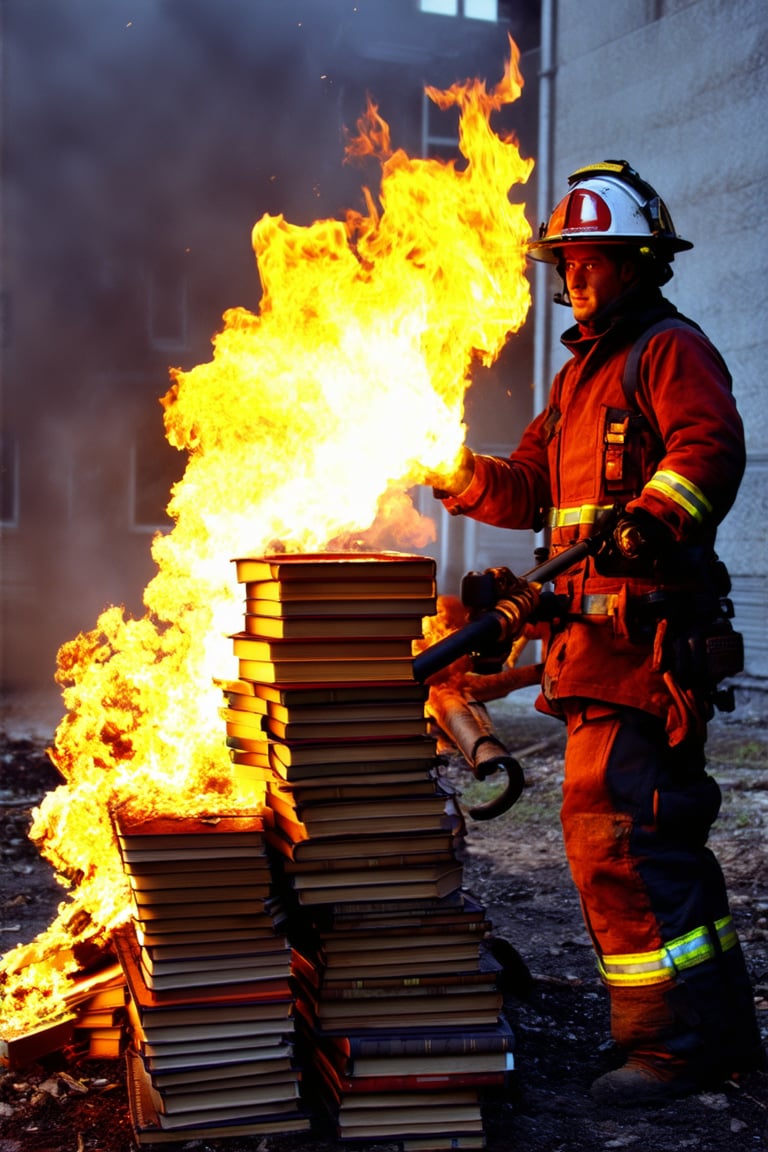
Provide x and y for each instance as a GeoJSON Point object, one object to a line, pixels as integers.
{"type": "Point", "coordinates": [554, 1001]}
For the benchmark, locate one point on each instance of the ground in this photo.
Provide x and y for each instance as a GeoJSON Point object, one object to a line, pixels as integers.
{"type": "Point", "coordinates": [555, 1002]}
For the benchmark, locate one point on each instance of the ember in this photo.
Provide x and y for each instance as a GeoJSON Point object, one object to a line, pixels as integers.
{"type": "Point", "coordinates": [361, 320]}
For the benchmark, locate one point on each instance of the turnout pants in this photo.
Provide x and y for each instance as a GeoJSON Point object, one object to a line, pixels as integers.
{"type": "Point", "coordinates": [636, 815]}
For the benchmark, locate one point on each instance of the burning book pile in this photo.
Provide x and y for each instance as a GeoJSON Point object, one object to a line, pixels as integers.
{"type": "Point", "coordinates": [91, 1021]}
{"type": "Point", "coordinates": [367, 845]}
{"type": "Point", "coordinates": [207, 964]}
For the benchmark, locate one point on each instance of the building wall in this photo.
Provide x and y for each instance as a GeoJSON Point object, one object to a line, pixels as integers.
{"type": "Point", "coordinates": [680, 89]}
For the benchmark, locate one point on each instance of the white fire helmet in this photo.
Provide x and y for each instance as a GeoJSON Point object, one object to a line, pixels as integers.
{"type": "Point", "coordinates": [609, 203]}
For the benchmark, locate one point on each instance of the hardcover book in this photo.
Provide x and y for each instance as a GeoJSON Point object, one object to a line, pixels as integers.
{"type": "Point", "coordinates": [365, 567]}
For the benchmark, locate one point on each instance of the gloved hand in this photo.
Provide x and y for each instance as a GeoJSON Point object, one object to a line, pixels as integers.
{"type": "Point", "coordinates": [453, 483]}
{"type": "Point", "coordinates": [636, 542]}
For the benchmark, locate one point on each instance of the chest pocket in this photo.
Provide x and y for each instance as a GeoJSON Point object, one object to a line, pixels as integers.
{"type": "Point", "coordinates": [625, 452]}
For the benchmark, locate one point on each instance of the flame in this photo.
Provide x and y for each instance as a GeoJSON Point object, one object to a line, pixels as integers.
{"type": "Point", "coordinates": [307, 427]}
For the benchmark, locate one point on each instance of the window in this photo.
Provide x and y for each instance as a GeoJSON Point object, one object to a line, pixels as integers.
{"type": "Point", "coordinates": [481, 9]}
{"type": "Point", "coordinates": [9, 479]}
{"type": "Point", "coordinates": [472, 9]}
{"type": "Point", "coordinates": [440, 7]}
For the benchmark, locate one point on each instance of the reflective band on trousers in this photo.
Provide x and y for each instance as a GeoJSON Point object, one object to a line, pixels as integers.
{"type": "Point", "coordinates": [684, 952]}
{"type": "Point", "coordinates": [682, 492]}
{"type": "Point", "coordinates": [568, 517]}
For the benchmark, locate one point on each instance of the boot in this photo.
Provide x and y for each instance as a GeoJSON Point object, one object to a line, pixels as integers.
{"type": "Point", "coordinates": [650, 1077]}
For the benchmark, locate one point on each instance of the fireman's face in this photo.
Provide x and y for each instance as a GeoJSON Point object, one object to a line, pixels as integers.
{"type": "Point", "coordinates": [594, 279]}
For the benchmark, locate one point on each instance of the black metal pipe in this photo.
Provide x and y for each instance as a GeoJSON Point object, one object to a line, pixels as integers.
{"type": "Point", "coordinates": [486, 630]}
{"type": "Point", "coordinates": [491, 626]}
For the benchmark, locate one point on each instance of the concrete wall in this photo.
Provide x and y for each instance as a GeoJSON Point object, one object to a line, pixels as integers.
{"type": "Point", "coordinates": [680, 89]}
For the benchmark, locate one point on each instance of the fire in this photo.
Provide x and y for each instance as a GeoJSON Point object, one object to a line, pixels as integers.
{"type": "Point", "coordinates": [307, 427]}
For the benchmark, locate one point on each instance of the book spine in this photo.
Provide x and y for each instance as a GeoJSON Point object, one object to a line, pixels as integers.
{"type": "Point", "coordinates": [452, 1043]}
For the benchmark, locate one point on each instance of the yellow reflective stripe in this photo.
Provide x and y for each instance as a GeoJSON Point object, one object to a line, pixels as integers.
{"type": "Point", "coordinates": [655, 967]}
{"type": "Point", "coordinates": [726, 933]}
{"type": "Point", "coordinates": [568, 517]}
{"type": "Point", "coordinates": [683, 492]}
{"type": "Point", "coordinates": [642, 968]}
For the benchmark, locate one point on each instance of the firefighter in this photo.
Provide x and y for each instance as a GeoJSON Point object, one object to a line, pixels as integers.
{"type": "Point", "coordinates": [654, 436]}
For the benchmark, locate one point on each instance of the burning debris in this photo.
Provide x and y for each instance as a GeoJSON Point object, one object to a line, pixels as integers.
{"type": "Point", "coordinates": [361, 320]}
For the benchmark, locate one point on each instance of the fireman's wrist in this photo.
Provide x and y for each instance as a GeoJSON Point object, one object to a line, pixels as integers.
{"type": "Point", "coordinates": [455, 482]}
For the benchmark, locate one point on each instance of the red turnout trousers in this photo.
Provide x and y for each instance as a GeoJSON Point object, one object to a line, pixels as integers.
{"type": "Point", "coordinates": [636, 815]}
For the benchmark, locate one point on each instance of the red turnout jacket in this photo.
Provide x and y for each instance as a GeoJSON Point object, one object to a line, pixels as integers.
{"type": "Point", "coordinates": [675, 450]}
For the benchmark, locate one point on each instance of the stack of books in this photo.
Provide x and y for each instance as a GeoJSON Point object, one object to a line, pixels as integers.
{"type": "Point", "coordinates": [207, 964]}
{"type": "Point", "coordinates": [367, 844]}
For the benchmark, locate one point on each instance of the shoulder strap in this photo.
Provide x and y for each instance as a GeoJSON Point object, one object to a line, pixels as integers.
{"type": "Point", "coordinates": [631, 379]}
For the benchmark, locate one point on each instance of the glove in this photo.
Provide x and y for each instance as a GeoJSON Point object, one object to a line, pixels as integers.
{"type": "Point", "coordinates": [633, 546]}
{"type": "Point", "coordinates": [453, 483]}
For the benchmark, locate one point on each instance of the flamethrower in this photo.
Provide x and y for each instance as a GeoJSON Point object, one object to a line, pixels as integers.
{"type": "Point", "coordinates": [499, 605]}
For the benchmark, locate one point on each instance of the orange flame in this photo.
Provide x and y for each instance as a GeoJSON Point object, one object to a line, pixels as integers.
{"type": "Point", "coordinates": [308, 426]}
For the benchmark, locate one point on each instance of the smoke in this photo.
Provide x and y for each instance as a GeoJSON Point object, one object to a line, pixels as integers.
{"type": "Point", "coordinates": [142, 140]}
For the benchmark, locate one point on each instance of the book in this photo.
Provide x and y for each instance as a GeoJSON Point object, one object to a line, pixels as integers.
{"type": "Point", "coordinates": [450, 1142]}
{"type": "Point", "coordinates": [106, 1043]}
{"type": "Point", "coordinates": [338, 604]}
{"type": "Point", "coordinates": [317, 791]}
{"type": "Point", "coordinates": [266, 926]}
{"type": "Point", "coordinates": [390, 567]}
{"type": "Point", "coordinates": [435, 1013]}
{"type": "Point", "coordinates": [427, 961]}
{"type": "Point", "coordinates": [333, 852]}
{"type": "Point", "coordinates": [200, 1068]}
{"type": "Point", "coordinates": [150, 876]}
{"type": "Point", "coordinates": [197, 952]}
{"type": "Point", "coordinates": [331, 893]}
{"type": "Point", "coordinates": [215, 914]}
{"type": "Point", "coordinates": [366, 1053]}
{"type": "Point", "coordinates": [434, 996]}
{"type": "Point", "coordinates": [390, 728]}
{"type": "Point", "coordinates": [370, 857]}
{"type": "Point", "coordinates": [404, 1078]}
{"type": "Point", "coordinates": [94, 1018]}
{"type": "Point", "coordinates": [330, 629]}
{"type": "Point", "coordinates": [334, 712]}
{"type": "Point", "coordinates": [290, 754]}
{"type": "Point", "coordinates": [196, 1050]}
{"type": "Point", "coordinates": [331, 671]}
{"type": "Point", "coordinates": [308, 652]}
{"type": "Point", "coordinates": [422, 871]}
{"type": "Point", "coordinates": [293, 695]}
{"type": "Point", "coordinates": [148, 1129]}
{"type": "Point", "coordinates": [268, 980]}
{"type": "Point", "coordinates": [241, 834]}
{"type": "Point", "coordinates": [340, 593]}
{"type": "Point", "coordinates": [241, 895]}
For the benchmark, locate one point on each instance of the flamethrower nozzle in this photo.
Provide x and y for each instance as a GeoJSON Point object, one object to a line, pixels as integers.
{"type": "Point", "coordinates": [470, 728]}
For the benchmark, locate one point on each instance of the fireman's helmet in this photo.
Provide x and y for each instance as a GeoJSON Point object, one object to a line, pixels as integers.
{"type": "Point", "coordinates": [608, 203]}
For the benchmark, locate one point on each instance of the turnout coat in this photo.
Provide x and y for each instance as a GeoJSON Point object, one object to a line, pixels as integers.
{"type": "Point", "coordinates": [674, 447]}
